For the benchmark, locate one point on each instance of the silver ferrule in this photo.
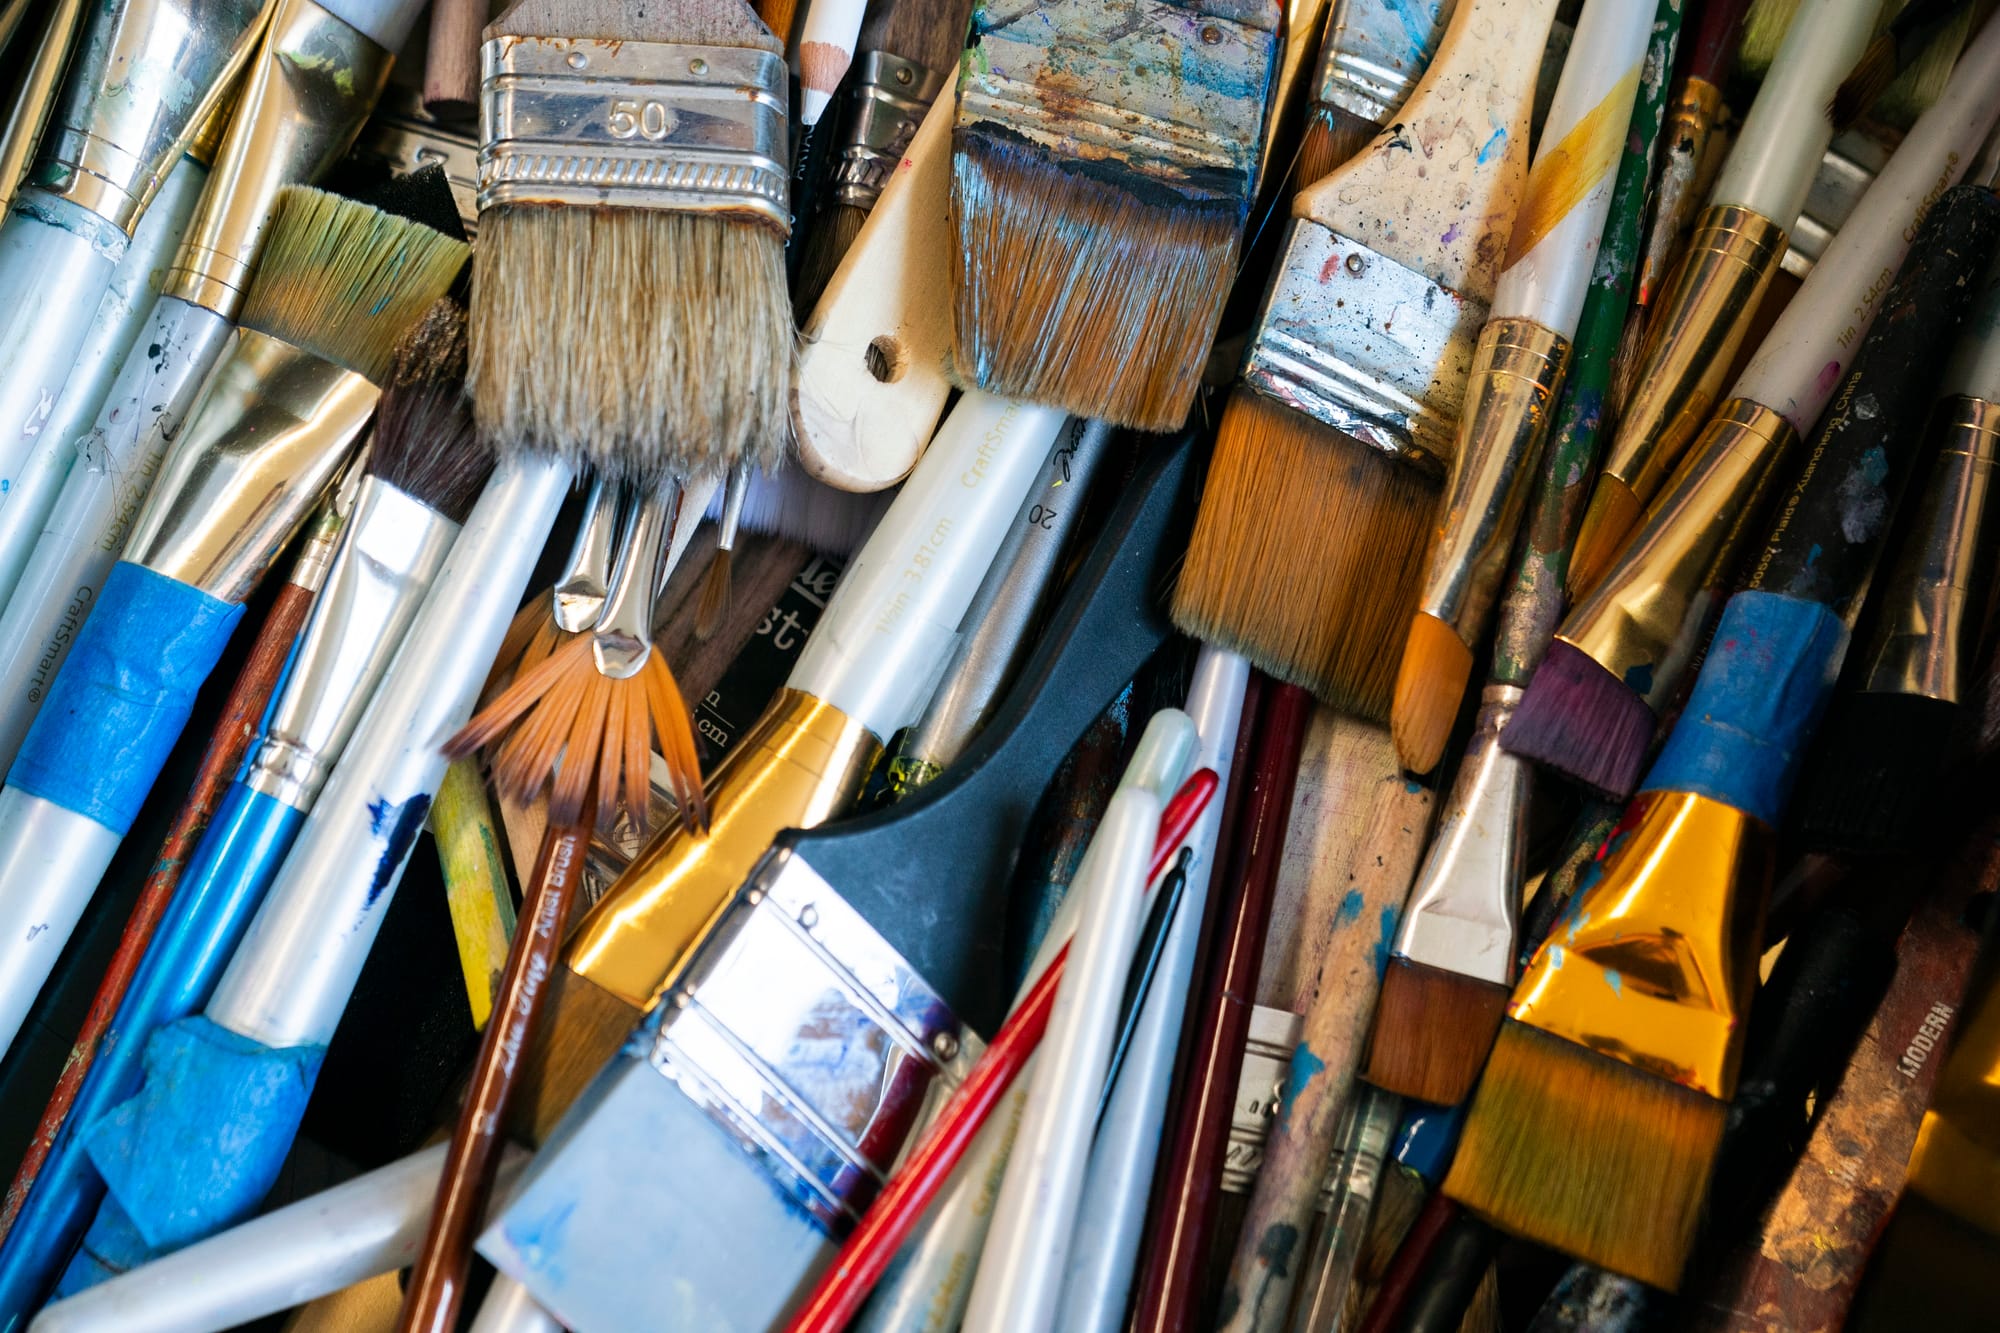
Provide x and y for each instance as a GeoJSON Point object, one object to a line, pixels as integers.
{"type": "Point", "coordinates": [659, 125]}
{"type": "Point", "coordinates": [734, 488]}
{"type": "Point", "coordinates": [1375, 53]}
{"type": "Point", "coordinates": [322, 540]}
{"type": "Point", "coordinates": [1358, 342]}
{"type": "Point", "coordinates": [1464, 914]}
{"type": "Point", "coordinates": [393, 550]}
{"type": "Point", "coordinates": [400, 137]}
{"type": "Point", "coordinates": [1060, 74]}
{"type": "Point", "coordinates": [268, 437]}
{"type": "Point", "coordinates": [623, 637]}
{"type": "Point", "coordinates": [1934, 600]}
{"type": "Point", "coordinates": [586, 578]}
{"type": "Point", "coordinates": [143, 80]}
{"type": "Point", "coordinates": [890, 97]}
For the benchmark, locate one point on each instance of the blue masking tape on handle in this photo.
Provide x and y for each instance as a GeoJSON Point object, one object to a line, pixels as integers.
{"type": "Point", "coordinates": [1769, 673]}
{"type": "Point", "coordinates": [200, 1146]}
{"type": "Point", "coordinates": [1427, 1139]}
{"type": "Point", "coordinates": [120, 701]}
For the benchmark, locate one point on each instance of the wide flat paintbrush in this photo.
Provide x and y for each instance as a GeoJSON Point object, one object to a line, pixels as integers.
{"type": "Point", "coordinates": [1517, 371]}
{"type": "Point", "coordinates": [1372, 57]}
{"type": "Point", "coordinates": [1304, 556]}
{"type": "Point", "coordinates": [1622, 651]}
{"type": "Point", "coordinates": [1601, 1111]}
{"type": "Point", "coordinates": [1102, 173]}
{"type": "Point", "coordinates": [1737, 243]}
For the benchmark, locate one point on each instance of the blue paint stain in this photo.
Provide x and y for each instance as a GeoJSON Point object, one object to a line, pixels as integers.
{"type": "Point", "coordinates": [398, 827]}
{"type": "Point", "coordinates": [1418, 19]}
{"type": "Point", "coordinates": [1386, 941]}
{"type": "Point", "coordinates": [540, 1240]}
{"type": "Point", "coordinates": [1349, 911]}
{"type": "Point", "coordinates": [1493, 145]}
{"type": "Point", "coordinates": [1613, 980]}
{"type": "Point", "coordinates": [1639, 679]}
{"type": "Point", "coordinates": [1556, 957]}
{"type": "Point", "coordinates": [1412, 786]}
{"type": "Point", "coordinates": [1306, 1067]}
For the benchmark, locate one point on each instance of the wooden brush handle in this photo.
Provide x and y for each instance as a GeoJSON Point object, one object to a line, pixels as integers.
{"type": "Point", "coordinates": [1438, 189]}
{"type": "Point", "coordinates": [699, 22]}
{"type": "Point", "coordinates": [437, 1283]}
{"type": "Point", "coordinates": [451, 60]}
{"type": "Point", "coordinates": [930, 32]}
{"type": "Point", "coordinates": [234, 731]}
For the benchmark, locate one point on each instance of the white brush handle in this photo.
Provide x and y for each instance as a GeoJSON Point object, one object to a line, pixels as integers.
{"type": "Point", "coordinates": [121, 317]}
{"type": "Point", "coordinates": [289, 980]}
{"type": "Point", "coordinates": [387, 23]}
{"type": "Point", "coordinates": [1772, 164]}
{"type": "Point", "coordinates": [51, 861]}
{"type": "Point", "coordinates": [1437, 191]}
{"type": "Point", "coordinates": [1553, 249]}
{"type": "Point", "coordinates": [51, 279]}
{"type": "Point", "coordinates": [1808, 350]}
{"type": "Point", "coordinates": [886, 634]}
{"type": "Point", "coordinates": [826, 49]}
{"type": "Point", "coordinates": [508, 1308]}
{"type": "Point", "coordinates": [370, 1225]}
{"type": "Point", "coordinates": [101, 496]}
{"type": "Point", "coordinates": [892, 293]}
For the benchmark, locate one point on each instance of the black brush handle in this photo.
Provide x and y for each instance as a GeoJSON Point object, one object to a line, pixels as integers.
{"type": "Point", "coordinates": [931, 874]}
{"type": "Point", "coordinates": [1832, 526]}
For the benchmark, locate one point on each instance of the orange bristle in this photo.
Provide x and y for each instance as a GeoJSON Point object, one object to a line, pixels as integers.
{"type": "Point", "coordinates": [713, 601]}
{"type": "Point", "coordinates": [1430, 685]}
{"type": "Point", "coordinates": [1433, 1032]}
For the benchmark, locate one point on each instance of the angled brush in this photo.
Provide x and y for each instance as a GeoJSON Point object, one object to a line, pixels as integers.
{"type": "Point", "coordinates": [1330, 454]}
{"type": "Point", "coordinates": [1092, 262]}
{"type": "Point", "coordinates": [1622, 651]}
{"type": "Point", "coordinates": [1890, 52]}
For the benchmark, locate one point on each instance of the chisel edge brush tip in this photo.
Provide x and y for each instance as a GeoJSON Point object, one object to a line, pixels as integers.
{"type": "Point", "coordinates": [1430, 684]}
{"type": "Point", "coordinates": [1582, 721]}
{"type": "Point", "coordinates": [1433, 1031]}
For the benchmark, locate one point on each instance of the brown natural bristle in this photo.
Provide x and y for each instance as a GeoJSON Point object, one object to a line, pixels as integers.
{"type": "Point", "coordinates": [831, 237]}
{"type": "Point", "coordinates": [1587, 1155]}
{"type": "Point", "coordinates": [1865, 82]}
{"type": "Point", "coordinates": [1306, 554]}
{"type": "Point", "coordinates": [425, 445]}
{"type": "Point", "coordinates": [1433, 1031]}
{"type": "Point", "coordinates": [1579, 719]}
{"type": "Point", "coordinates": [1081, 290]}
{"type": "Point", "coordinates": [1332, 136]}
{"type": "Point", "coordinates": [1429, 687]}
{"type": "Point", "coordinates": [1624, 370]}
{"type": "Point", "coordinates": [1608, 525]}
{"type": "Point", "coordinates": [713, 603]}
{"type": "Point", "coordinates": [582, 1026]}
{"type": "Point", "coordinates": [645, 343]}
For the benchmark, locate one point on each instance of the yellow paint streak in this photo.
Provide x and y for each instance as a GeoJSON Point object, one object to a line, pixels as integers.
{"type": "Point", "coordinates": [1563, 175]}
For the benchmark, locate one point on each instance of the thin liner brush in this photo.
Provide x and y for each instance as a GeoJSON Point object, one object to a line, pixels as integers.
{"type": "Point", "coordinates": [713, 603]}
{"type": "Point", "coordinates": [1372, 57]}
{"type": "Point", "coordinates": [1330, 453]}
{"type": "Point", "coordinates": [1889, 53]}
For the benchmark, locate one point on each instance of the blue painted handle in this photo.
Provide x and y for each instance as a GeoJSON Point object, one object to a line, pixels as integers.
{"type": "Point", "coordinates": [119, 703]}
{"type": "Point", "coordinates": [218, 893]}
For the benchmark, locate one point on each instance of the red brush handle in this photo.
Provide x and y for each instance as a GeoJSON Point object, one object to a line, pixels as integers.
{"type": "Point", "coordinates": [1399, 1280]}
{"type": "Point", "coordinates": [1716, 38]}
{"type": "Point", "coordinates": [853, 1274]}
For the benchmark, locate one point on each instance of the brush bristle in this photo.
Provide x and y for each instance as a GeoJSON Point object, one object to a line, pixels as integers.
{"type": "Point", "coordinates": [647, 344]}
{"type": "Point", "coordinates": [1433, 1032]}
{"type": "Point", "coordinates": [1306, 554]}
{"type": "Point", "coordinates": [1587, 1155]}
{"type": "Point", "coordinates": [790, 504]}
{"type": "Point", "coordinates": [1763, 30]}
{"type": "Point", "coordinates": [1930, 1270]}
{"type": "Point", "coordinates": [827, 244]}
{"type": "Point", "coordinates": [1332, 136]}
{"type": "Point", "coordinates": [1088, 292]}
{"type": "Point", "coordinates": [1430, 685]}
{"type": "Point", "coordinates": [713, 602]}
{"type": "Point", "coordinates": [1609, 521]}
{"type": "Point", "coordinates": [425, 445]}
{"type": "Point", "coordinates": [345, 281]}
{"type": "Point", "coordinates": [1876, 772]}
{"type": "Point", "coordinates": [1579, 719]}
{"type": "Point", "coordinates": [531, 636]}
{"type": "Point", "coordinates": [1865, 82]}
{"type": "Point", "coordinates": [582, 1026]}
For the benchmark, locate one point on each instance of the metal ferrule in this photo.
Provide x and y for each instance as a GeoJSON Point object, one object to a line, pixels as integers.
{"type": "Point", "coordinates": [1376, 54]}
{"type": "Point", "coordinates": [144, 78]}
{"type": "Point", "coordinates": [734, 490]}
{"type": "Point", "coordinates": [586, 579]}
{"type": "Point", "coordinates": [322, 540]}
{"type": "Point", "coordinates": [256, 455]}
{"type": "Point", "coordinates": [402, 138]}
{"type": "Point", "coordinates": [1070, 77]}
{"type": "Point", "coordinates": [1691, 342]}
{"type": "Point", "coordinates": [1654, 964]}
{"type": "Point", "coordinates": [34, 83]}
{"type": "Point", "coordinates": [1643, 622]}
{"type": "Point", "coordinates": [1684, 131]}
{"type": "Point", "coordinates": [890, 97]}
{"type": "Point", "coordinates": [623, 636]}
{"type": "Point", "coordinates": [1358, 342]}
{"type": "Point", "coordinates": [393, 550]}
{"type": "Point", "coordinates": [308, 91]}
{"type": "Point", "coordinates": [798, 767]}
{"type": "Point", "coordinates": [1517, 374]}
{"type": "Point", "coordinates": [661, 125]}
{"type": "Point", "coordinates": [1933, 601]}
{"type": "Point", "coordinates": [1464, 915]}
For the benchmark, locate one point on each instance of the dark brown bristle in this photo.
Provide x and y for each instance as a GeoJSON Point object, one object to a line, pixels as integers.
{"type": "Point", "coordinates": [832, 236]}
{"type": "Point", "coordinates": [1433, 1032]}
{"type": "Point", "coordinates": [1306, 554]}
{"type": "Point", "coordinates": [1077, 290]}
{"type": "Point", "coordinates": [1332, 136]}
{"type": "Point", "coordinates": [1579, 719]}
{"type": "Point", "coordinates": [1875, 773]}
{"type": "Point", "coordinates": [582, 1026]}
{"type": "Point", "coordinates": [1430, 685]}
{"type": "Point", "coordinates": [1587, 1155]}
{"type": "Point", "coordinates": [425, 445]}
{"type": "Point", "coordinates": [1865, 82]}
{"type": "Point", "coordinates": [713, 603]}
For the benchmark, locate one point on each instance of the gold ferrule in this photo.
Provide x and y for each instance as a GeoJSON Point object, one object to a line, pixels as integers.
{"type": "Point", "coordinates": [1956, 1164]}
{"type": "Point", "coordinates": [35, 95]}
{"type": "Point", "coordinates": [310, 88]}
{"type": "Point", "coordinates": [1654, 964]}
{"type": "Point", "coordinates": [1517, 374]}
{"type": "Point", "coordinates": [1691, 342]}
{"type": "Point", "coordinates": [1935, 594]}
{"type": "Point", "coordinates": [799, 766]}
{"type": "Point", "coordinates": [267, 439]}
{"type": "Point", "coordinates": [1643, 621]}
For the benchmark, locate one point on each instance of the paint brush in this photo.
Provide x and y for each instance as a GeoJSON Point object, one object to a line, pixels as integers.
{"type": "Point", "coordinates": [1092, 262]}
{"type": "Point", "coordinates": [39, 81]}
{"type": "Point", "coordinates": [316, 72]}
{"type": "Point", "coordinates": [1340, 430]}
{"type": "Point", "coordinates": [1888, 54]}
{"type": "Point", "coordinates": [871, 886]}
{"type": "Point", "coordinates": [1354, 1172]}
{"type": "Point", "coordinates": [1622, 652]}
{"type": "Point", "coordinates": [1372, 57]}
{"type": "Point", "coordinates": [340, 283]}
{"type": "Point", "coordinates": [1882, 753]}
{"type": "Point", "coordinates": [1626, 1029]}
{"type": "Point", "coordinates": [1517, 371]}
{"type": "Point", "coordinates": [1737, 243]}
{"type": "Point", "coordinates": [145, 77]}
